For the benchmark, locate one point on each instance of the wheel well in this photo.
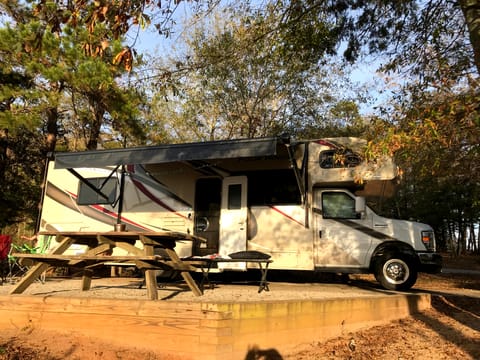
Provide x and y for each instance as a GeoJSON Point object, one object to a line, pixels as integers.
{"type": "Point", "coordinates": [395, 247]}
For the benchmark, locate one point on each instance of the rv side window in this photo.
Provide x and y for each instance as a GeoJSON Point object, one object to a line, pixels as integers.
{"type": "Point", "coordinates": [273, 187]}
{"type": "Point", "coordinates": [331, 159]}
{"type": "Point", "coordinates": [338, 205]}
{"type": "Point", "coordinates": [87, 196]}
{"type": "Point", "coordinates": [234, 196]}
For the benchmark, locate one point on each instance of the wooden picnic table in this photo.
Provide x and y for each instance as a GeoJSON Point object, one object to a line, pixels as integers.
{"type": "Point", "coordinates": [99, 243]}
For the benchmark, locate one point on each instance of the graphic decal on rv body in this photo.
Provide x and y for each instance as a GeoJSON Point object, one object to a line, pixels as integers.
{"type": "Point", "coordinates": [139, 174]}
{"type": "Point", "coordinates": [98, 213]}
{"type": "Point", "coordinates": [101, 213]}
{"type": "Point", "coordinates": [143, 189]}
{"type": "Point", "coordinates": [287, 215]}
{"type": "Point", "coordinates": [366, 230]}
{"type": "Point", "coordinates": [329, 144]}
{"type": "Point", "coordinates": [142, 180]}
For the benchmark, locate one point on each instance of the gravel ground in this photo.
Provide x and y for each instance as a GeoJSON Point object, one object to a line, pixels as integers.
{"type": "Point", "coordinates": [131, 288]}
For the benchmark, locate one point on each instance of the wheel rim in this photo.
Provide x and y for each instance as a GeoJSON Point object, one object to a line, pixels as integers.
{"type": "Point", "coordinates": [396, 271]}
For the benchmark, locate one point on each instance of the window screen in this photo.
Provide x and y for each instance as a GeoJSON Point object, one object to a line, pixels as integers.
{"type": "Point", "coordinates": [87, 196]}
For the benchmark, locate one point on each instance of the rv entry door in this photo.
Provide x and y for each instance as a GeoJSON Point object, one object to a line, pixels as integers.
{"type": "Point", "coordinates": [233, 216]}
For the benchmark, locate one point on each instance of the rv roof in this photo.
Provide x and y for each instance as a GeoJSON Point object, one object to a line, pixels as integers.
{"type": "Point", "coordinates": [168, 153]}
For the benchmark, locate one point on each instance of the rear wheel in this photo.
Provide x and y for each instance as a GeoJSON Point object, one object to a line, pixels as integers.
{"type": "Point", "coordinates": [395, 272]}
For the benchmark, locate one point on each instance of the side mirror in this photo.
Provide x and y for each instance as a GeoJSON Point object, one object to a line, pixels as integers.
{"type": "Point", "coordinates": [360, 205]}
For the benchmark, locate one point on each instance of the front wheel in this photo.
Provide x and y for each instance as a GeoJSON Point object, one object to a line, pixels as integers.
{"type": "Point", "coordinates": [395, 272]}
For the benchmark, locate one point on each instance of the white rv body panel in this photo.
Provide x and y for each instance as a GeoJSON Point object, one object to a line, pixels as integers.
{"type": "Point", "coordinates": [143, 202]}
{"type": "Point", "coordinates": [280, 231]}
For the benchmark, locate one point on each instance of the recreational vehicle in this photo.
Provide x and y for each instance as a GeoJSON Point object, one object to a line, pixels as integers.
{"type": "Point", "coordinates": [300, 202]}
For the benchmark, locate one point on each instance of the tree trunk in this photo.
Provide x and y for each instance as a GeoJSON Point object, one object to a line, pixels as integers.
{"type": "Point", "coordinates": [52, 128]}
{"type": "Point", "coordinates": [95, 126]}
{"type": "Point", "coordinates": [97, 109]}
{"type": "Point", "coordinates": [471, 12]}
{"type": "Point", "coordinates": [473, 244]}
{"type": "Point", "coordinates": [3, 153]}
{"type": "Point", "coordinates": [94, 135]}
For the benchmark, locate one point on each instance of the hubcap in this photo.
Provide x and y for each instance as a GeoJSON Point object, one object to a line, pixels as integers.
{"type": "Point", "coordinates": [396, 271]}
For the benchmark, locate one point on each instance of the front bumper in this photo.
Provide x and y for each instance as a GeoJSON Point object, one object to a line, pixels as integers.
{"type": "Point", "coordinates": [430, 262]}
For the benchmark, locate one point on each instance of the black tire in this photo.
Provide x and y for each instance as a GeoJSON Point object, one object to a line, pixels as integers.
{"type": "Point", "coordinates": [395, 271]}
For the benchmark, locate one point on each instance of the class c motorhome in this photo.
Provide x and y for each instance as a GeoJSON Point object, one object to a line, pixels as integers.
{"type": "Point", "coordinates": [300, 202]}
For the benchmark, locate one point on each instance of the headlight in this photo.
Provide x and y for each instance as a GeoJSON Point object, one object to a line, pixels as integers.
{"type": "Point", "coordinates": [428, 240]}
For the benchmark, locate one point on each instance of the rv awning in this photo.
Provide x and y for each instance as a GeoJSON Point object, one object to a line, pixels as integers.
{"type": "Point", "coordinates": [168, 153]}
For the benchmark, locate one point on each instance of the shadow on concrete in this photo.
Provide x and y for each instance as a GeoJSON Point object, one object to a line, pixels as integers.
{"type": "Point", "coordinates": [287, 276]}
{"type": "Point", "coordinates": [460, 308]}
{"type": "Point", "coordinates": [252, 277]}
{"type": "Point", "coordinates": [462, 279]}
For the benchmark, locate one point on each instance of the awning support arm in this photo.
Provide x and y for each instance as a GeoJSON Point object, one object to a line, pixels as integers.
{"type": "Point", "coordinates": [120, 197]}
{"type": "Point", "coordinates": [296, 171]}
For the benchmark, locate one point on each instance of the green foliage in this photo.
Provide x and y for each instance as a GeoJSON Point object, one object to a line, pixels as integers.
{"type": "Point", "coordinates": [416, 38]}
{"type": "Point", "coordinates": [436, 144]}
{"type": "Point", "coordinates": [22, 159]}
{"type": "Point", "coordinates": [70, 88]}
{"type": "Point", "coordinates": [343, 119]}
{"type": "Point", "coordinates": [53, 88]}
{"type": "Point", "coordinates": [246, 75]}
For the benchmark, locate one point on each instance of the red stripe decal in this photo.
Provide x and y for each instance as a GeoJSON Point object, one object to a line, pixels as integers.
{"type": "Point", "coordinates": [286, 215]}
{"type": "Point", "coordinates": [110, 213]}
{"type": "Point", "coordinates": [152, 197]}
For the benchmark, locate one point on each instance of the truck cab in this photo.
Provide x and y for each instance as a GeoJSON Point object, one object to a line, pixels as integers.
{"type": "Point", "coordinates": [351, 238]}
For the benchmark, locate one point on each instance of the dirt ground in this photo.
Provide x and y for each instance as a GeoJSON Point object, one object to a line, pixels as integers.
{"type": "Point", "coordinates": [449, 330]}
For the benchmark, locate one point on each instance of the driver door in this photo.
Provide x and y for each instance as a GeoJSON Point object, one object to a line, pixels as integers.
{"type": "Point", "coordinates": [343, 238]}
